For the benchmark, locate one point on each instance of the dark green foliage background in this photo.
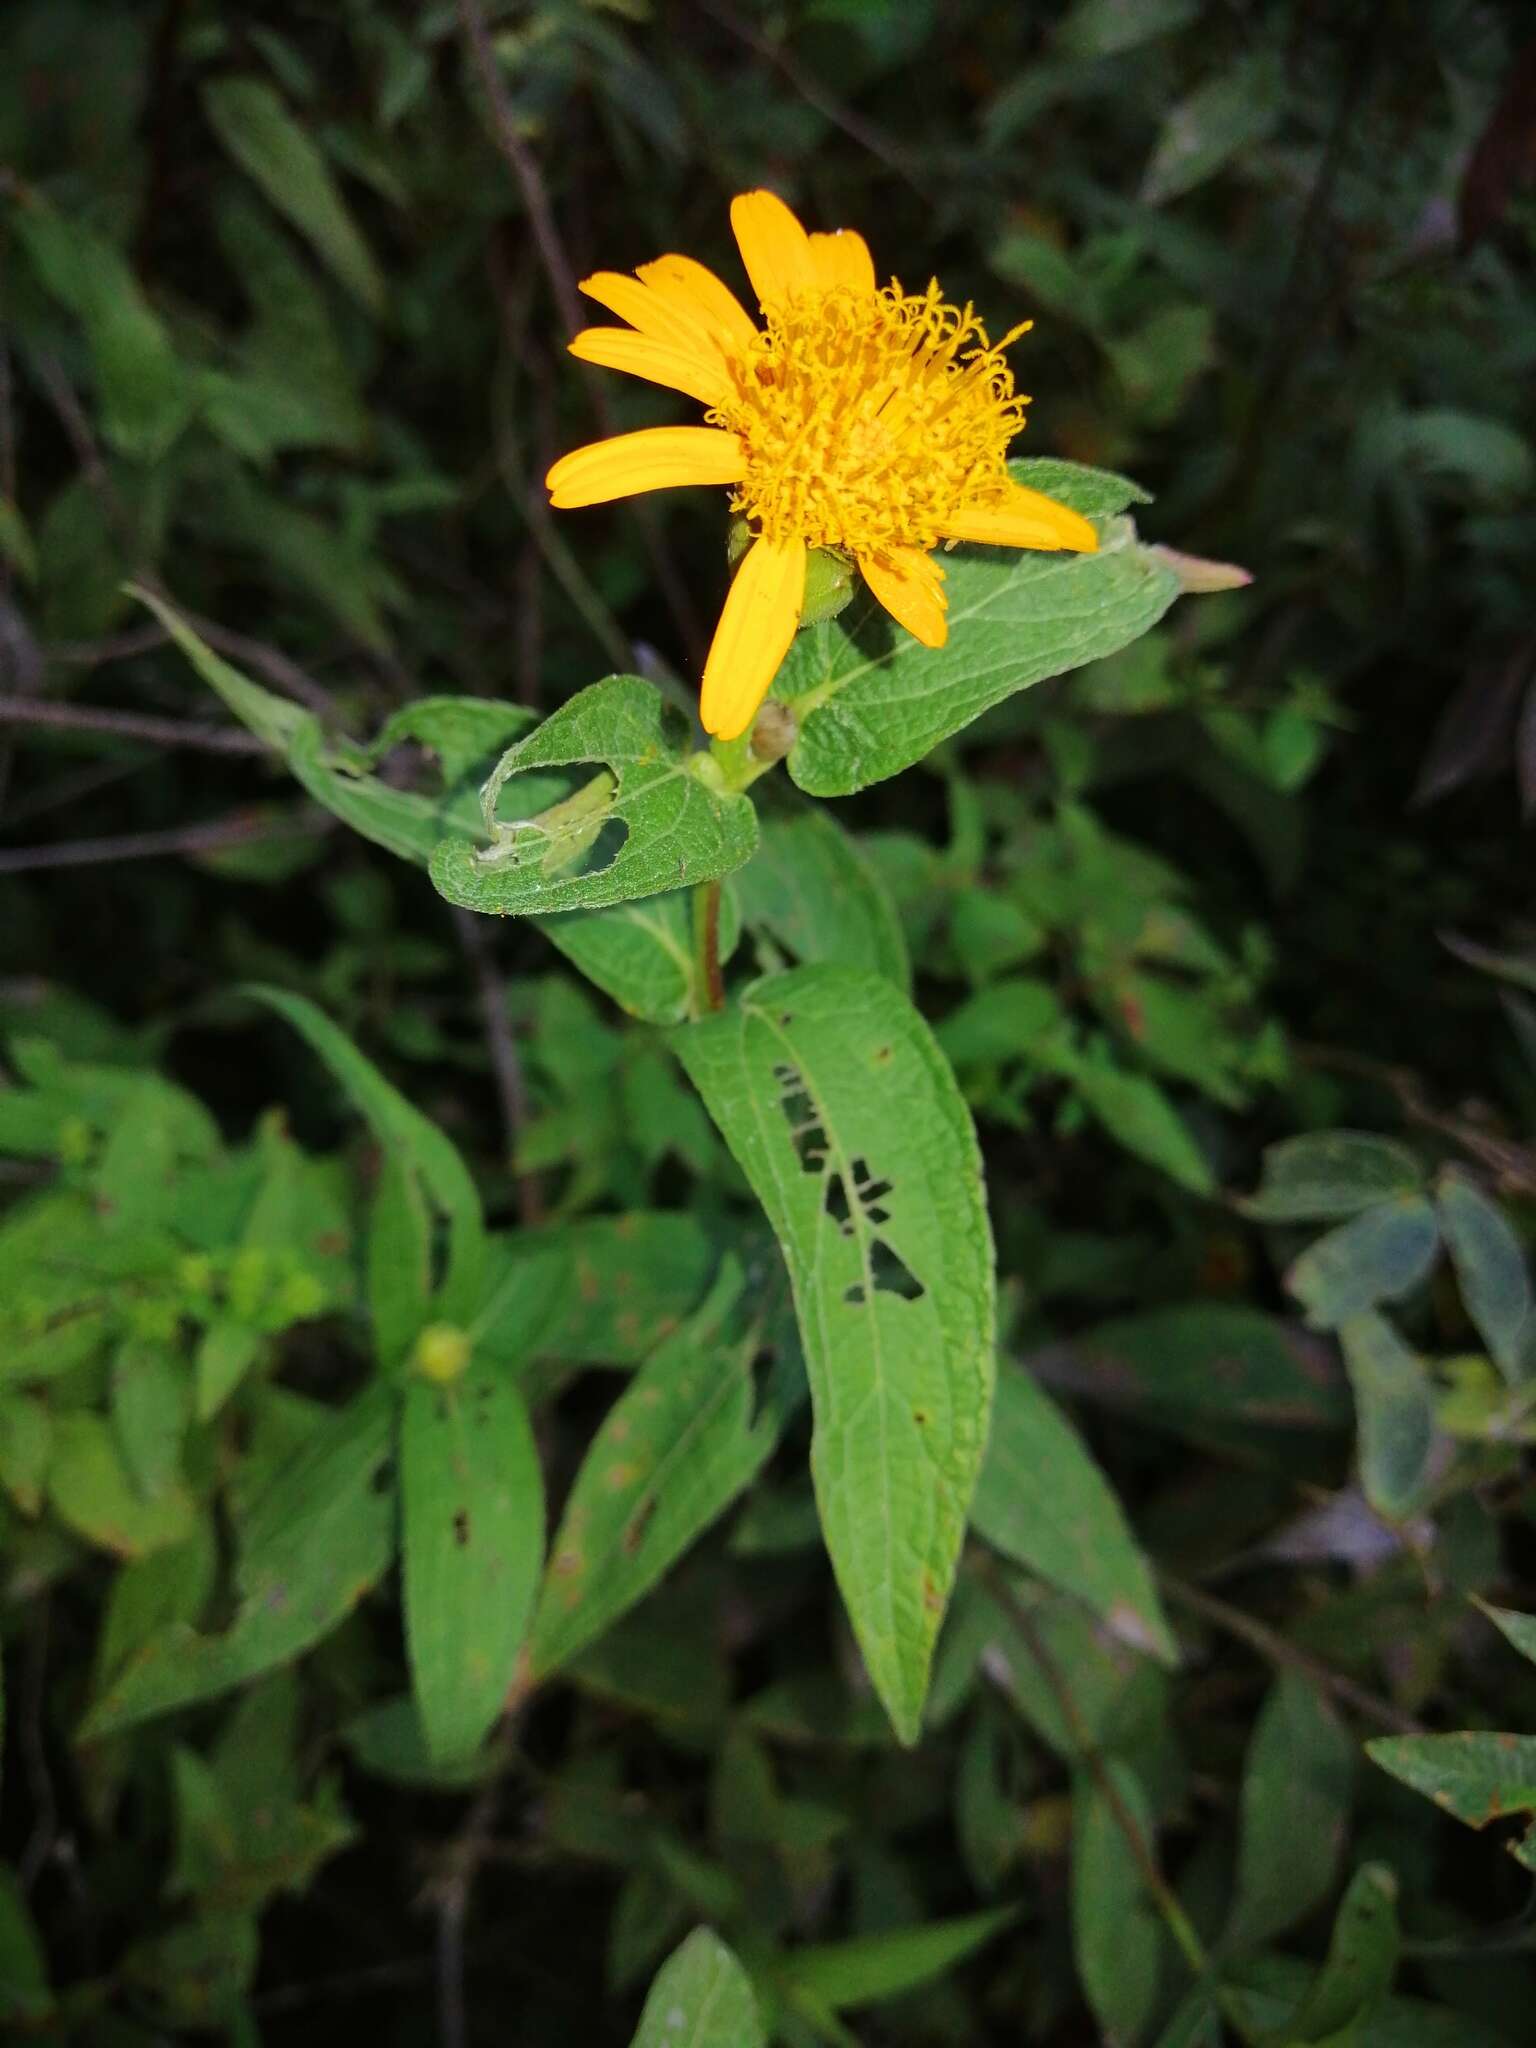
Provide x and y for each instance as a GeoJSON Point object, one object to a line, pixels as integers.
{"type": "Point", "coordinates": [1263, 874]}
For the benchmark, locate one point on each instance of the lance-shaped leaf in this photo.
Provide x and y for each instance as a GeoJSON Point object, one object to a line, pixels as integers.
{"type": "Point", "coordinates": [270, 146]}
{"type": "Point", "coordinates": [1043, 1502]}
{"type": "Point", "coordinates": [319, 1536]}
{"type": "Point", "coordinates": [843, 1114]}
{"type": "Point", "coordinates": [1395, 1411]}
{"type": "Point", "coordinates": [419, 1149]}
{"type": "Point", "coordinates": [146, 395]}
{"type": "Point", "coordinates": [643, 821]}
{"type": "Point", "coordinates": [1353, 1983]}
{"type": "Point", "coordinates": [870, 700]}
{"type": "Point", "coordinates": [472, 1538]}
{"type": "Point", "coordinates": [1490, 1265]}
{"type": "Point", "coordinates": [1117, 1937]}
{"type": "Point", "coordinates": [869, 1969]}
{"type": "Point", "coordinates": [677, 1447]}
{"type": "Point", "coordinates": [1295, 1812]}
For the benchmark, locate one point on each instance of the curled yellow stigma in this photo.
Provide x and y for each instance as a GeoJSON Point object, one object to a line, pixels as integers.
{"type": "Point", "coordinates": [858, 417]}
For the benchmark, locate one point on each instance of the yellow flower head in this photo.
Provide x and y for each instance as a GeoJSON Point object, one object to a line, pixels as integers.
{"type": "Point", "coordinates": [859, 416]}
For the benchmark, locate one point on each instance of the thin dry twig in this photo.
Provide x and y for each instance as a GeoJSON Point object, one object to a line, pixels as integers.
{"type": "Point", "coordinates": [450, 1892]}
{"type": "Point", "coordinates": [114, 647]}
{"type": "Point", "coordinates": [244, 829]}
{"type": "Point", "coordinates": [1512, 1165]}
{"type": "Point", "coordinates": [811, 90]}
{"type": "Point", "coordinates": [256, 654]}
{"type": "Point", "coordinates": [130, 725]}
{"type": "Point", "coordinates": [561, 275]}
{"type": "Point", "coordinates": [1279, 1650]}
{"type": "Point", "coordinates": [506, 1063]}
{"type": "Point", "coordinates": [1158, 1889]}
{"type": "Point", "coordinates": [523, 165]}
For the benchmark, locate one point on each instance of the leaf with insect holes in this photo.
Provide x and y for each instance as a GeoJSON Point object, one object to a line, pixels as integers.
{"type": "Point", "coordinates": [472, 1540]}
{"type": "Point", "coordinates": [643, 822]}
{"type": "Point", "coordinates": [681, 1442]}
{"type": "Point", "coordinates": [870, 700]}
{"type": "Point", "coordinates": [702, 1998]}
{"type": "Point", "coordinates": [883, 1225]}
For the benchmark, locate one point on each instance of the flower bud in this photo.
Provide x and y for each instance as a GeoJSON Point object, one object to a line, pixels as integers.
{"type": "Point", "coordinates": [442, 1353]}
{"type": "Point", "coordinates": [828, 586]}
{"type": "Point", "coordinates": [774, 733]}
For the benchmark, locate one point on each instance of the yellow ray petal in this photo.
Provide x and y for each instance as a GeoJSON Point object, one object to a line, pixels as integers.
{"type": "Point", "coordinates": [1024, 519]}
{"type": "Point", "coordinates": [616, 348]}
{"type": "Point", "coordinates": [774, 247]}
{"type": "Point", "coordinates": [843, 259]}
{"type": "Point", "coordinates": [688, 285]}
{"type": "Point", "coordinates": [655, 459]}
{"type": "Point", "coordinates": [762, 610]}
{"type": "Point", "coordinates": [910, 585]}
{"type": "Point", "coordinates": [653, 313]}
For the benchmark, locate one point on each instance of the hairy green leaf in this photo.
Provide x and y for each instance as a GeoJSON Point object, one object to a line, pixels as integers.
{"type": "Point", "coordinates": [884, 1228]}
{"type": "Point", "coordinates": [871, 701]}
{"type": "Point", "coordinates": [647, 819]}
